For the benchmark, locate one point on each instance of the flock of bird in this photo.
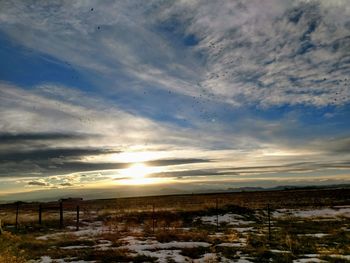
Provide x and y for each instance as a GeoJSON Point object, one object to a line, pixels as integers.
{"type": "Point", "coordinates": [206, 96]}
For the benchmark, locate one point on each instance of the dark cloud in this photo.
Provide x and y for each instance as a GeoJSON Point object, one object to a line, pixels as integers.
{"type": "Point", "coordinates": [66, 184]}
{"type": "Point", "coordinates": [45, 154]}
{"type": "Point", "coordinates": [247, 170]}
{"type": "Point", "coordinates": [337, 146]}
{"type": "Point", "coordinates": [86, 166]}
{"type": "Point", "coordinates": [19, 137]}
{"type": "Point", "coordinates": [42, 167]}
{"type": "Point", "coordinates": [168, 162]}
{"type": "Point", "coordinates": [209, 172]}
{"type": "Point", "coordinates": [121, 178]}
{"type": "Point", "coordinates": [37, 183]}
{"type": "Point", "coordinates": [287, 168]}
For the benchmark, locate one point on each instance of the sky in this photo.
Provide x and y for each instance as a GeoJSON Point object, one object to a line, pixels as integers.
{"type": "Point", "coordinates": [116, 98]}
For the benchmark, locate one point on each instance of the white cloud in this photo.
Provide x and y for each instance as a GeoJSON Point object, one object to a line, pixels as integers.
{"type": "Point", "coordinates": [256, 53]}
{"type": "Point", "coordinates": [248, 52]}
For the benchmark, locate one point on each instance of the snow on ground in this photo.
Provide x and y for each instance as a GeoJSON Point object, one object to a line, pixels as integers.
{"type": "Point", "coordinates": [163, 251]}
{"type": "Point", "coordinates": [244, 229]}
{"type": "Point", "coordinates": [241, 242]}
{"type": "Point", "coordinates": [334, 212]}
{"type": "Point", "coordinates": [280, 251]}
{"type": "Point", "coordinates": [243, 260]}
{"type": "Point", "coordinates": [308, 260]}
{"type": "Point", "coordinates": [231, 245]}
{"type": "Point", "coordinates": [104, 245]}
{"type": "Point", "coordinates": [166, 255]}
{"type": "Point", "coordinates": [171, 251]}
{"type": "Point", "coordinates": [319, 235]}
{"type": "Point", "coordinates": [75, 247]}
{"type": "Point", "coordinates": [229, 218]}
{"type": "Point", "coordinates": [89, 230]}
{"type": "Point", "coordinates": [86, 232]}
{"type": "Point", "coordinates": [46, 259]}
{"type": "Point", "coordinates": [347, 257]}
{"type": "Point", "coordinates": [137, 245]}
{"type": "Point", "coordinates": [314, 258]}
{"type": "Point", "coordinates": [211, 257]}
{"type": "Point", "coordinates": [217, 234]}
{"type": "Point", "coordinates": [207, 257]}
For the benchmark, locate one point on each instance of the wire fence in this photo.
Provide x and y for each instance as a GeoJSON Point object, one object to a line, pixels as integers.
{"type": "Point", "coordinates": [72, 211]}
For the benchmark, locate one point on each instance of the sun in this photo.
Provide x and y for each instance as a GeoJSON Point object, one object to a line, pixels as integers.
{"type": "Point", "coordinates": [140, 174]}
{"type": "Point", "coordinates": [136, 171]}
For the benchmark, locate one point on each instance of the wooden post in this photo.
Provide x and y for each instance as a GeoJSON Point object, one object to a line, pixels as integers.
{"type": "Point", "coordinates": [40, 211]}
{"type": "Point", "coordinates": [17, 211]}
{"type": "Point", "coordinates": [269, 218]}
{"type": "Point", "coordinates": [153, 218]}
{"type": "Point", "coordinates": [78, 208]}
{"type": "Point", "coordinates": [217, 214]}
{"type": "Point", "coordinates": [61, 214]}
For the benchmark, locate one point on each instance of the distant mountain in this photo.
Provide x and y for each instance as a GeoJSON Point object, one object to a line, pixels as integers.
{"type": "Point", "coordinates": [287, 187]}
{"type": "Point", "coordinates": [245, 189]}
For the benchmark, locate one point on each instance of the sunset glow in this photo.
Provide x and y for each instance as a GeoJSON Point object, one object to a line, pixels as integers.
{"type": "Point", "coordinates": [137, 174]}
{"type": "Point", "coordinates": [183, 95]}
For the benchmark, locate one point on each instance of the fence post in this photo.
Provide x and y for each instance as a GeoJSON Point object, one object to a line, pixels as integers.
{"type": "Point", "coordinates": [78, 208]}
{"type": "Point", "coordinates": [40, 211]}
{"type": "Point", "coordinates": [17, 211]}
{"type": "Point", "coordinates": [217, 214]}
{"type": "Point", "coordinates": [61, 214]}
{"type": "Point", "coordinates": [153, 218]}
{"type": "Point", "coordinates": [269, 218]}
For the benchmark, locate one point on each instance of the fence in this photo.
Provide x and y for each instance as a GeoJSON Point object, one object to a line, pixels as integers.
{"type": "Point", "coordinates": [21, 215]}
{"type": "Point", "coordinates": [29, 209]}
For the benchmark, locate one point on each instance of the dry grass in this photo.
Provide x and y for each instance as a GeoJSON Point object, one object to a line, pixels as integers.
{"type": "Point", "coordinates": [174, 220]}
{"type": "Point", "coordinates": [9, 248]}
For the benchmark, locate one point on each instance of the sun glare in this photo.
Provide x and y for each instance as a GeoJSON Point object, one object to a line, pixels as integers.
{"type": "Point", "coordinates": [136, 171]}
{"type": "Point", "coordinates": [137, 175]}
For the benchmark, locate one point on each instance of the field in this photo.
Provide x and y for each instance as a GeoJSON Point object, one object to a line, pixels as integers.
{"type": "Point", "coordinates": [268, 226]}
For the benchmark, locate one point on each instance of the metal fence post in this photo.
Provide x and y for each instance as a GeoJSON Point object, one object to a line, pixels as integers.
{"type": "Point", "coordinates": [61, 214]}
{"type": "Point", "coordinates": [217, 213]}
{"type": "Point", "coordinates": [40, 212]}
{"type": "Point", "coordinates": [17, 211]}
{"type": "Point", "coordinates": [153, 218]}
{"type": "Point", "coordinates": [269, 218]}
{"type": "Point", "coordinates": [78, 208]}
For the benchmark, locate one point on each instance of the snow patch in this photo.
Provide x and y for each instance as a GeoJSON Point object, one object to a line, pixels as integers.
{"type": "Point", "coordinates": [314, 213]}
{"type": "Point", "coordinates": [230, 219]}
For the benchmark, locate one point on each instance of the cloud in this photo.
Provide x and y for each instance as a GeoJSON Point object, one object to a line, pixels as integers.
{"type": "Point", "coordinates": [268, 54]}
{"type": "Point", "coordinates": [51, 130]}
{"type": "Point", "coordinates": [20, 137]}
{"type": "Point", "coordinates": [176, 161]}
{"type": "Point", "coordinates": [340, 145]}
{"type": "Point", "coordinates": [232, 89]}
{"type": "Point", "coordinates": [271, 53]}
{"type": "Point", "coordinates": [46, 154]}
{"type": "Point", "coordinates": [239, 172]}
{"type": "Point", "coordinates": [37, 183]}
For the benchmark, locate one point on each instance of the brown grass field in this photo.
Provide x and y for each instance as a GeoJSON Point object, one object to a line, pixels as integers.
{"type": "Point", "coordinates": [300, 226]}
